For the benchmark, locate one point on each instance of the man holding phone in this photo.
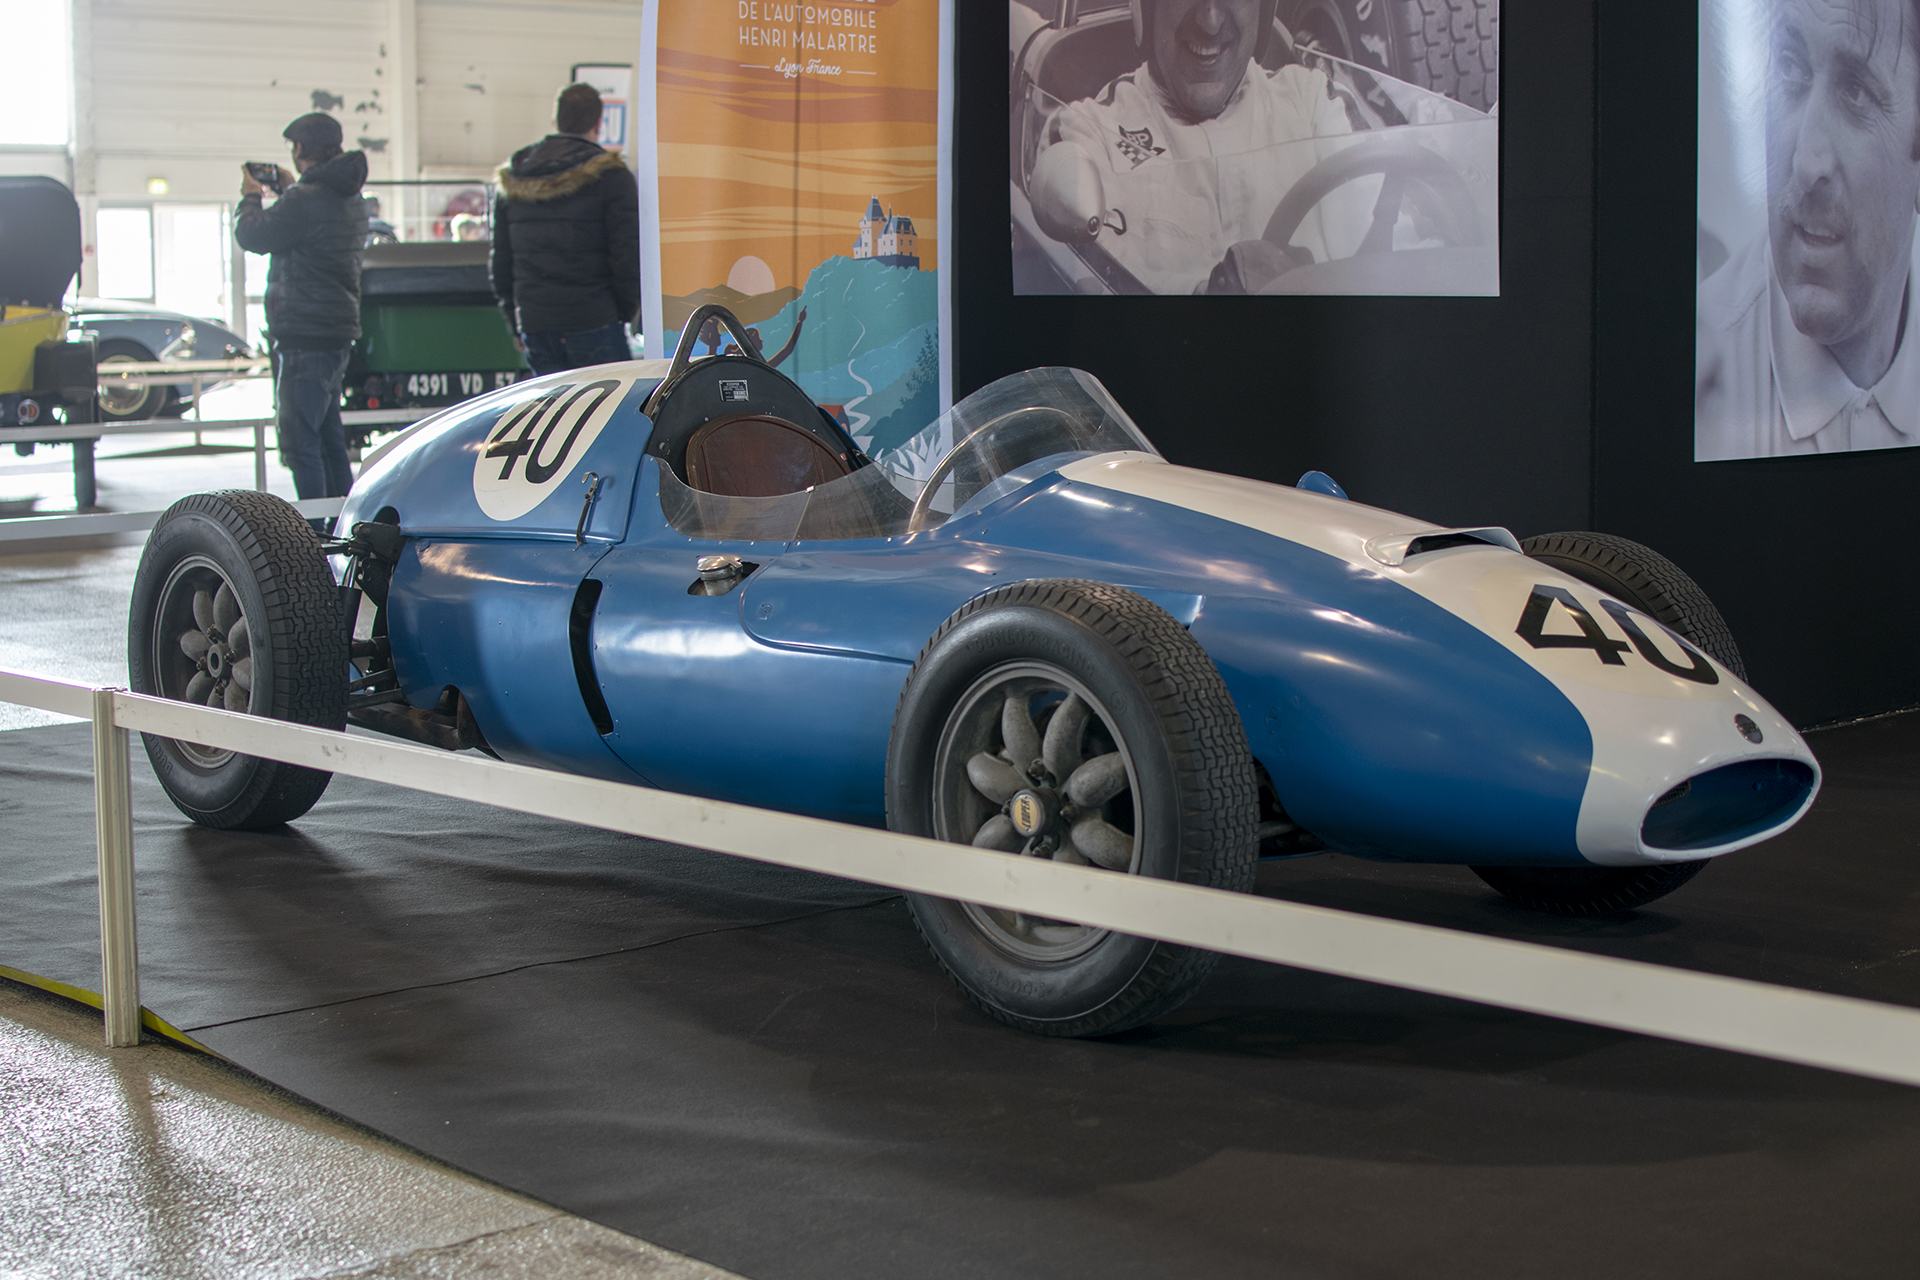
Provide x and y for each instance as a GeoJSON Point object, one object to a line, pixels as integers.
{"type": "Point", "coordinates": [315, 233]}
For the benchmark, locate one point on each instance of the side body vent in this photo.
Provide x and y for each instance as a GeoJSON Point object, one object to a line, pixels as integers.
{"type": "Point", "coordinates": [580, 632]}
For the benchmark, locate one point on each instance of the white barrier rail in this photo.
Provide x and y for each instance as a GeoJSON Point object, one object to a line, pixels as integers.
{"type": "Point", "coordinates": [50, 528]}
{"type": "Point", "coordinates": [1839, 1033]}
{"type": "Point", "coordinates": [83, 434]}
{"type": "Point", "coordinates": [168, 372]}
{"type": "Point", "coordinates": [51, 434]}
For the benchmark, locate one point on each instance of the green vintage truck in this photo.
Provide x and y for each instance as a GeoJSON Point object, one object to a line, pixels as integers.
{"type": "Point", "coordinates": [430, 334]}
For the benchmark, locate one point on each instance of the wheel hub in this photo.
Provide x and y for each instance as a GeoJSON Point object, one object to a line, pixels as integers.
{"type": "Point", "coordinates": [1034, 811]}
{"type": "Point", "coordinates": [203, 647]}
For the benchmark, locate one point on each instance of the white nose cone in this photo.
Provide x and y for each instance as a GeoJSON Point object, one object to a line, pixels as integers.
{"type": "Point", "coordinates": [1688, 761]}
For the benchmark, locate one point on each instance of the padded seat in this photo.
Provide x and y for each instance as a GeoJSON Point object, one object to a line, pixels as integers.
{"type": "Point", "coordinates": [733, 426]}
{"type": "Point", "coordinates": [758, 456]}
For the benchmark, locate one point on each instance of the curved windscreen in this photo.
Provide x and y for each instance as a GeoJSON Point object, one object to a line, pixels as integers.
{"type": "Point", "coordinates": [999, 438]}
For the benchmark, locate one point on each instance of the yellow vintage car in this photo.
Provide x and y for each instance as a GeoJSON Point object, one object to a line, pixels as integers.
{"type": "Point", "coordinates": [46, 377]}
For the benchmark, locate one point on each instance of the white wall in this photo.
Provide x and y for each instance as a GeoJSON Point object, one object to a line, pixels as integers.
{"type": "Point", "coordinates": [184, 91]}
{"type": "Point", "coordinates": [187, 89]}
{"type": "Point", "coordinates": [489, 71]}
{"type": "Point", "coordinates": [50, 162]}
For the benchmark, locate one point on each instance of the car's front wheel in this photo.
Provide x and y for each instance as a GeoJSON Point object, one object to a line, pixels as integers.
{"type": "Point", "coordinates": [1077, 722]}
{"type": "Point", "coordinates": [234, 607]}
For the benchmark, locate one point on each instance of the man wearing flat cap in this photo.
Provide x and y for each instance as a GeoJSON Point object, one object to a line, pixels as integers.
{"type": "Point", "coordinates": [315, 232]}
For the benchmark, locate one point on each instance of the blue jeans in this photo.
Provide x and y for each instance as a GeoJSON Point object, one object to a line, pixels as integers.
{"type": "Point", "coordinates": [549, 351]}
{"type": "Point", "coordinates": [313, 441]}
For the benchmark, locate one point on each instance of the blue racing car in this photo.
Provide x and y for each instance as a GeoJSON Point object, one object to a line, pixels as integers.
{"type": "Point", "coordinates": [1039, 637]}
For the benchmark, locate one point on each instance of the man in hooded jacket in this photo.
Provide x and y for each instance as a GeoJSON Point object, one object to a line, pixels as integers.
{"type": "Point", "coordinates": [316, 233]}
{"type": "Point", "coordinates": [566, 242]}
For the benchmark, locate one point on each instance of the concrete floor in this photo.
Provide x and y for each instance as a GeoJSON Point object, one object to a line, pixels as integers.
{"type": "Point", "coordinates": [157, 1161]}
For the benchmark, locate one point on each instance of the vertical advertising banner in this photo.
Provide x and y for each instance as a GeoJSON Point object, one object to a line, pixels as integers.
{"type": "Point", "coordinates": [1809, 173]}
{"type": "Point", "coordinates": [792, 162]}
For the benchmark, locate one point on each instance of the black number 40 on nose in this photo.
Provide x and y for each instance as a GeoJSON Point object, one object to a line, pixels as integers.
{"type": "Point", "coordinates": [1533, 621]}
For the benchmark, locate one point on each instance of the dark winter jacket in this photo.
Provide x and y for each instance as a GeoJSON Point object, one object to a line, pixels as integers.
{"type": "Point", "coordinates": [566, 238]}
{"type": "Point", "coordinates": [316, 233]}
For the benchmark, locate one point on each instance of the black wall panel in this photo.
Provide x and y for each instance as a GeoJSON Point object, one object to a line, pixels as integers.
{"type": "Point", "coordinates": [1808, 558]}
{"type": "Point", "coordinates": [1564, 404]}
{"type": "Point", "coordinates": [1460, 410]}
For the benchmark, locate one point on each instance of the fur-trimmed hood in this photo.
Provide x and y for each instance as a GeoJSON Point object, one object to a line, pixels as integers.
{"type": "Point", "coordinates": [557, 165]}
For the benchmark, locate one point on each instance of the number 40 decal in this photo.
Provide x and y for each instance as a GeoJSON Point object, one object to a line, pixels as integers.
{"type": "Point", "coordinates": [529, 418]}
{"type": "Point", "coordinates": [1533, 621]}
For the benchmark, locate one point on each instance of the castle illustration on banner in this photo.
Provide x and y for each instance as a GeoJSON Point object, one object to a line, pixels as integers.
{"type": "Point", "coordinates": [887, 237]}
{"type": "Point", "coordinates": [858, 337]}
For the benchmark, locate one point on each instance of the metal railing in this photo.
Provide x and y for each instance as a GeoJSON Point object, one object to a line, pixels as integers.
{"type": "Point", "coordinates": [1839, 1033]}
{"type": "Point", "coordinates": [49, 528]}
{"type": "Point", "coordinates": [162, 373]}
{"type": "Point", "coordinates": [167, 373]}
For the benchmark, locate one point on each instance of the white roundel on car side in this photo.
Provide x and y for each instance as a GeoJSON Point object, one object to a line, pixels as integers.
{"type": "Point", "coordinates": [536, 444]}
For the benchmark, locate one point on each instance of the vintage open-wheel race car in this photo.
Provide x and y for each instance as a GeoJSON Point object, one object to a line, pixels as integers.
{"type": "Point", "coordinates": [1052, 643]}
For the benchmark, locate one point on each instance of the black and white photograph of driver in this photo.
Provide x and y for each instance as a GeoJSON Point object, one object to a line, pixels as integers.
{"type": "Point", "coordinates": [1804, 337]}
{"type": "Point", "coordinates": [1159, 137]}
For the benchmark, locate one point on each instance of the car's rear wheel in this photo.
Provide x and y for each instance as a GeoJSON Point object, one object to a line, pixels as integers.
{"type": "Point", "coordinates": [122, 401]}
{"type": "Point", "coordinates": [1659, 588]}
{"type": "Point", "coordinates": [1077, 722]}
{"type": "Point", "coordinates": [235, 607]}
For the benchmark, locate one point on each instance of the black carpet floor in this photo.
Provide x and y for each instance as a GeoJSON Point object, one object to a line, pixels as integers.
{"type": "Point", "coordinates": [762, 1068]}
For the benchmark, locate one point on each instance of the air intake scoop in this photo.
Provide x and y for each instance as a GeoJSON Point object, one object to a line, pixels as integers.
{"type": "Point", "coordinates": [1397, 550]}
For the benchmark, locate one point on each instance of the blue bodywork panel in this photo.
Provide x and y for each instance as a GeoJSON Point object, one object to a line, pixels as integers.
{"type": "Point", "coordinates": [1372, 708]}
{"type": "Point", "coordinates": [491, 617]}
{"type": "Point", "coordinates": [1392, 728]}
{"type": "Point", "coordinates": [429, 480]}
{"type": "Point", "coordinates": [700, 706]}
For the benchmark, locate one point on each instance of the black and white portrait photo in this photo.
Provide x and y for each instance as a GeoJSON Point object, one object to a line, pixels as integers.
{"type": "Point", "coordinates": [1255, 146]}
{"type": "Point", "coordinates": [1809, 178]}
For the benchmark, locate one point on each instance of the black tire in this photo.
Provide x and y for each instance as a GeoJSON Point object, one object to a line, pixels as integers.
{"type": "Point", "coordinates": [1646, 580]}
{"type": "Point", "coordinates": [1155, 719]}
{"type": "Point", "coordinates": [1587, 891]}
{"type": "Point", "coordinates": [270, 642]}
{"type": "Point", "coordinates": [1658, 587]}
{"type": "Point", "coordinates": [127, 404]}
{"type": "Point", "coordinates": [1452, 47]}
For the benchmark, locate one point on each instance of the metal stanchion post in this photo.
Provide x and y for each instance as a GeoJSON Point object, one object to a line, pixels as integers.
{"type": "Point", "coordinates": [198, 388]}
{"type": "Point", "coordinates": [86, 486]}
{"type": "Point", "coordinates": [113, 832]}
{"type": "Point", "coordinates": [260, 428]}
